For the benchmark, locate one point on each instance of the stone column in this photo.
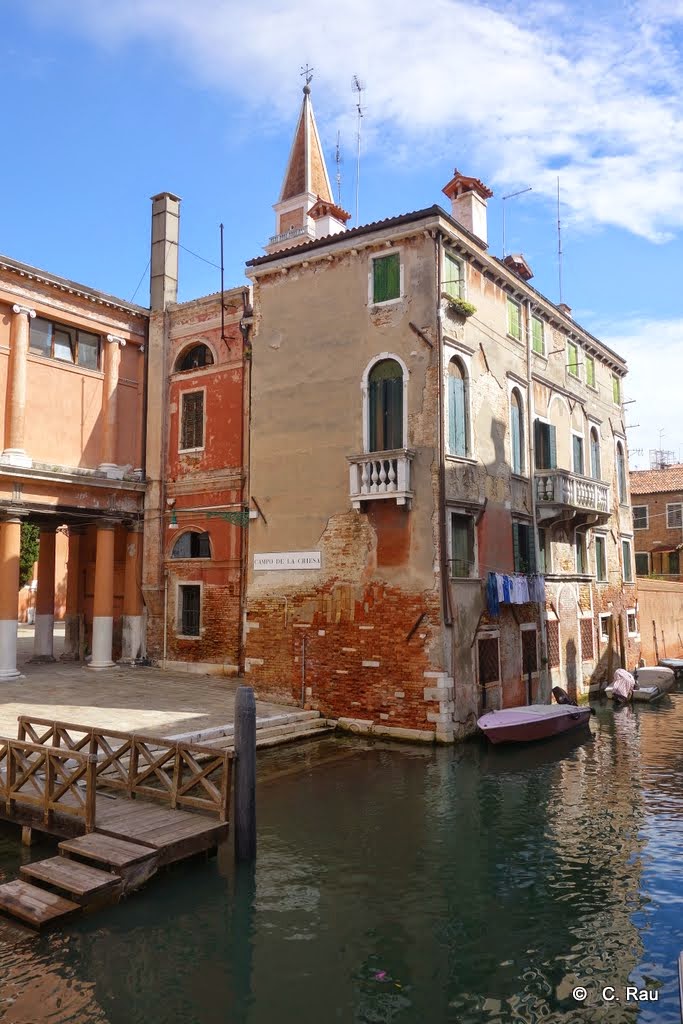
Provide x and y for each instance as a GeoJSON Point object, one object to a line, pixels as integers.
{"type": "Point", "coordinates": [103, 604]}
{"type": "Point", "coordinates": [10, 545]}
{"type": "Point", "coordinates": [112, 361]}
{"type": "Point", "coordinates": [43, 649]}
{"type": "Point", "coordinates": [133, 645]}
{"type": "Point", "coordinates": [14, 453]}
{"type": "Point", "coordinates": [72, 616]}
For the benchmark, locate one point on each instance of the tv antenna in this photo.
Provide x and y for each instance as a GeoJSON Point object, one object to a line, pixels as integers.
{"type": "Point", "coordinates": [512, 196]}
{"type": "Point", "coordinates": [559, 239]}
{"type": "Point", "coordinates": [359, 88]}
{"type": "Point", "coordinates": [339, 160]}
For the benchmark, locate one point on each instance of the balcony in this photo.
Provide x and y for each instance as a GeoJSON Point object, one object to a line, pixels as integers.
{"type": "Point", "coordinates": [287, 235]}
{"type": "Point", "coordinates": [380, 475]}
{"type": "Point", "coordinates": [561, 494]}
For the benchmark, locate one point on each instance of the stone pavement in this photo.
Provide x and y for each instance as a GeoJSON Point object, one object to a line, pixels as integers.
{"type": "Point", "coordinates": [147, 700]}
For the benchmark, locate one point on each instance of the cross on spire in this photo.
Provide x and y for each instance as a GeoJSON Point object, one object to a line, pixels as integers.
{"type": "Point", "coordinates": [308, 72]}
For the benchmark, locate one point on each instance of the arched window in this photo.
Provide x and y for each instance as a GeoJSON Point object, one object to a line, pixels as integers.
{"type": "Point", "coordinates": [458, 408]}
{"type": "Point", "coordinates": [595, 453]}
{"type": "Point", "coordinates": [385, 401]}
{"type": "Point", "coordinates": [621, 473]}
{"type": "Point", "coordinates": [194, 358]}
{"type": "Point", "coordinates": [192, 545]}
{"type": "Point", "coordinates": [517, 432]}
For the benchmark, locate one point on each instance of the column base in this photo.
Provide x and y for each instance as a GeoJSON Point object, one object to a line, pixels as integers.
{"type": "Point", "coordinates": [102, 632]}
{"type": "Point", "coordinates": [8, 650]}
{"type": "Point", "coordinates": [133, 639]}
{"type": "Point", "coordinates": [43, 649]}
{"type": "Point", "coordinates": [72, 639]}
{"type": "Point", "coordinates": [16, 457]}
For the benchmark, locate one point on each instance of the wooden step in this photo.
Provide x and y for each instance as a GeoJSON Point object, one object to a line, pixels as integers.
{"type": "Point", "coordinates": [133, 863]}
{"type": "Point", "coordinates": [33, 905]}
{"type": "Point", "coordinates": [82, 883]}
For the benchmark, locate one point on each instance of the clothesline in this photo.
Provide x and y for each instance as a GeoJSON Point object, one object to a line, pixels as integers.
{"type": "Point", "coordinates": [513, 588]}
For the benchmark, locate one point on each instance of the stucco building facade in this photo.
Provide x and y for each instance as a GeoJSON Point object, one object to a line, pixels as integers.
{"type": "Point", "coordinates": [420, 417]}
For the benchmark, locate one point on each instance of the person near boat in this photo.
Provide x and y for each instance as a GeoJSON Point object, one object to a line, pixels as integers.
{"type": "Point", "coordinates": [623, 686]}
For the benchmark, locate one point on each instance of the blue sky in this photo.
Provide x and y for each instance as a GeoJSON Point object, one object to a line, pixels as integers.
{"type": "Point", "coordinates": [110, 101]}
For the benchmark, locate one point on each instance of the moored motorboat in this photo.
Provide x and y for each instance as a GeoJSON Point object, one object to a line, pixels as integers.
{"type": "Point", "coordinates": [643, 694]}
{"type": "Point", "coordinates": [656, 675]}
{"type": "Point", "coordinates": [532, 722]}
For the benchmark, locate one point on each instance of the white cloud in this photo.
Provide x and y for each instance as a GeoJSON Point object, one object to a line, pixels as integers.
{"type": "Point", "coordinates": [652, 349]}
{"type": "Point", "coordinates": [511, 94]}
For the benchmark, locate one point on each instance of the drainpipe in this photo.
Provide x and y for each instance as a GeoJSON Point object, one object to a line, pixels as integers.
{"type": "Point", "coordinates": [443, 560]}
{"type": "Point", "coordinates": [165, 612]}
{"type": "Point", "coordinates": [544, 675]}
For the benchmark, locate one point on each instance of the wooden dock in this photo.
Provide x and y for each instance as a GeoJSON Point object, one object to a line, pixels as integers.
{"type": "Point", "coordinates": [123, 805]}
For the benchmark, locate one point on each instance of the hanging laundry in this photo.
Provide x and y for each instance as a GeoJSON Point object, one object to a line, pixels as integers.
{"type": "Point", "coordinates": [492, 595]}
{"type": "Point", "coordinates": [507, 589]}
{"type": "Point", "coordinates": [500, 587]}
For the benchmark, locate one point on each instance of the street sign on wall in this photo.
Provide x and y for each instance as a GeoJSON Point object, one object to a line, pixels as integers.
{"type": "Point", "coordinates": [271, 561]}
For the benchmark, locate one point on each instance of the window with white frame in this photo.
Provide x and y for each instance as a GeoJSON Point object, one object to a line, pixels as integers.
{"type": "Point", "coordinates": [537, 336]}
{"type": "Point", "coordinates": [458, 401]}
{"type": "Point", "coordinates": [642, 563]}
{"type": "Point", "coordinates": [600, 541]}
{"type": "Point", "coordinates": [674, 516]}
{"type": "Point", "coordinates": [514, 313]}
{"type": "Point", "coordinates": [517, 432]}
{"type": "Point", "coordinates": [454, 276]}
{"type": "Point", "coordinates": [604, 621]}
{"type": "Point", "coordinates": [386, 278]}
{"type": "Point", "coordinates": [463, 546]}
{"type": "Point", "coordinates": [632, 622]}
{"type": "Point", "coordinates": [595, 453]}
{"type": "Point", "coordinates": [385, 406]}
{"type": "Point", "coordinates": [528, 636]}
{"type": "Point", "coordinates": [191, 421]}
{"type": "Point", "coordinates": [621, 474]}
{"type": "Point", "coordinates": [189, 609]}
{"type": "Point", "coordinates": [626, 560]}
{"type": "Point", "coordinates": [640, 517]}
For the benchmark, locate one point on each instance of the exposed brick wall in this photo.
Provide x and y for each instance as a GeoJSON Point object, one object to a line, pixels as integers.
{"type": "Point", "coordinates": [659, 539]}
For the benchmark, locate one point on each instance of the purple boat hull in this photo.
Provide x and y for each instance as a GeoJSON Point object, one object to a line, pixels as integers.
{"type": "Point", "coordinates": [534, 722]}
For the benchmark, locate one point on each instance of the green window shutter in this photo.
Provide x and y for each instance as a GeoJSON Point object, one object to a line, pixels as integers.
{"type": "Point", "coordinates": [513, 319]}
{"type": "Point", "coordinates": [552, 447]}
{"type": "Point", "coordinates": [590, 371]}
{"type": "Point", "coordinates": [516, 558]}
{"type": "Point", "coordinates": [457, 421]}
{"type": "Point", "coordinates": [573, 358]}
{"type": "Point", "coordinates": [578, 454]}
{"type": "Point", "coordinates": [453, 277]}
{"type": "Point", "coordinates": [538, 444]}
{"type": "Point", "coordinates": [394, 414]}
{"type": "Point", "coordinates": [537, 335]}
{"type": "Point", "coordinates": [616, 390]}
{"type": "Point", "coordinates": [462, 545]}
{"type": "Point", "coordinates": [386, 272]}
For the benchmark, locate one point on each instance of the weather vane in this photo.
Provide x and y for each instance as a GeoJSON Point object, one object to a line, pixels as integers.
{"type": "Point", "coordinates": [308, 72]}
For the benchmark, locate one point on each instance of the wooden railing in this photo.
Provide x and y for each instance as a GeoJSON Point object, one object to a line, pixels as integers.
{"type": "Point", "coordinates": [49, 779]}
{"type": "Point", "coordinates": [180, 774]}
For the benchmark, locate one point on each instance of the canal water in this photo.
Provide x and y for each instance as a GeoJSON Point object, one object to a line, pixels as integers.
{"type": "Point", "coordinates": [402, 884]}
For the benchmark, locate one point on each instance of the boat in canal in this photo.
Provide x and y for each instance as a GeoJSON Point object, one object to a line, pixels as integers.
{"type": "Point", "coordinates": [532, 722]}
{"type": "Point", "coordinates": [653, 681]}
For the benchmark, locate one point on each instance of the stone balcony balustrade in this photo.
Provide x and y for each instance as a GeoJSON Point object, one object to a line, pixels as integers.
{"type": "Point", "coordinates": [380, 475]}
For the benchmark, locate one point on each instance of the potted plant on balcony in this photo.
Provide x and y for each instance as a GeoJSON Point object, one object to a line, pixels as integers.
{"type": "Point", "coordinates": [460, 306]}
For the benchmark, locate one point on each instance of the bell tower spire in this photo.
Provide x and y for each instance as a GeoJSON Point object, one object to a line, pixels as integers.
{"type": "Point", "coordinates": [305, 205]}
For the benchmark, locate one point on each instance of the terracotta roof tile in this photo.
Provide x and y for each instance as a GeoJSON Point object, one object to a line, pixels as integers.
{"type": "Point", "coordinates": [655, 481]}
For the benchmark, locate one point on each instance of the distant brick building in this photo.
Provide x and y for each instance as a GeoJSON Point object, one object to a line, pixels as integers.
{"type": "Point", "coordinates": [657, 498]}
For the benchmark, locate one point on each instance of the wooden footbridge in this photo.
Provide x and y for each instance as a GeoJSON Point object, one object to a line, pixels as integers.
{"type": "Point", "coordinates": [123, 806]}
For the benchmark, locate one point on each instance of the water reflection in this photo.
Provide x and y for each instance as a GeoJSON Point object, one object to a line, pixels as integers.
{"type": "Point", "coordinates": [403, 885]}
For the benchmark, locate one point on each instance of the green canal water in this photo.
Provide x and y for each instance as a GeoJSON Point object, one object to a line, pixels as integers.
{"type": "Point", "coordinates": [401, 884]}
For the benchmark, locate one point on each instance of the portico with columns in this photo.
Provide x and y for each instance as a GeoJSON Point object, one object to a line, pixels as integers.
{"type": "Point", "coordinates": [72, 395]}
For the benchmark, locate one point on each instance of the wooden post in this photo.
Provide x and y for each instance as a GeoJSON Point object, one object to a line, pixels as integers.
{"type": "Point", "coordinates": [622, 642]}
{"type": "Point", "coordinates": [245, 775]}
{"type": "Point", "coordinates": [654, 637]}
{"type": "Point", "coordinates": [610, 653]}
{"type": "Point", "coordinates": [91, 793]}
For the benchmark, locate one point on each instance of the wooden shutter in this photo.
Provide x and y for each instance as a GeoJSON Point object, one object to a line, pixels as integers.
{"type": "Point", "coordinates": [516, 557]}
{"type": "Point", "coordinates": [513, 319]}
{"type": "Point", "coordinates": [457, 418]}
{"type": "Point", "coordinates": [386, 277]}
{"type": "Point", "coordinates": [393, 404]}
{"type": "Point", "coordinates": [552, 447]}
{"type": "Point", "coordinates": [537, 332]}
{"type": "Point", "coordinates": [192, 425]}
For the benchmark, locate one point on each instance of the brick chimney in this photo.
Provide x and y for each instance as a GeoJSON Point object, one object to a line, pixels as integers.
{"type": "Point", "coordinates": [519, 266]}
{"type": "Point", "coordinates": [564, 308]}
{"type": "Point", "coordinates": [164, 257]}
{"type": "Point", "coordinates": [468, 201]}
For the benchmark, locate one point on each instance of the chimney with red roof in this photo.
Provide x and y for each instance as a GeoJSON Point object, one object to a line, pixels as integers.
{"type": "Point", "coordinates": [468, 198]}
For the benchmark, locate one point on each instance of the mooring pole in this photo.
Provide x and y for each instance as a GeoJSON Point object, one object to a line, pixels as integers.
{"type": "Point", "coordinates": [245, 775]}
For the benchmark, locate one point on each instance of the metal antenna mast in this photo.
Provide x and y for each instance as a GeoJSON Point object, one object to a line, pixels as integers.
{"type": "Point", "coordinates": [559, 239]}
{"type": "Point", "coordinates": [358, 87]}
{"type": "Point", "coordinates": [338, 161]}
{"type": "Point", "coordinates": [511, 196]}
